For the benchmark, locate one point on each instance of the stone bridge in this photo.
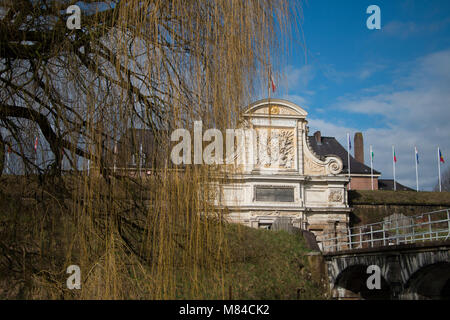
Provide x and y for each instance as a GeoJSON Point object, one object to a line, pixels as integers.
{"type": "Point", "coordinates": [419, 270]}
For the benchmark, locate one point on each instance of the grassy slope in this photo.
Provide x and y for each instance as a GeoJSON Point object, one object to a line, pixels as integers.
{"type": "Point", "coordinates": [262, 264]}
{"type": "Point", "coordinates": [269, 265]}
{"type": "Point", "coordinates": [373, 206]}
{"type": "Point", "coordinates": [399, 197]}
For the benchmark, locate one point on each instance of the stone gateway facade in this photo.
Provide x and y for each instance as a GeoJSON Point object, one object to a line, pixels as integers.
{"type": "Point", "coordinates": [286, 179]}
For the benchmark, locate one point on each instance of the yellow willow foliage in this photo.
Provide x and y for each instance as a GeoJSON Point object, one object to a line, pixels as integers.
{"type": "Point", "coordinates": [113, 91]}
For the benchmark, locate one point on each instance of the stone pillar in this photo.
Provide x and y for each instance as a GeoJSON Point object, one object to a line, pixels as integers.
{"type": "Point", "coordinates": [300, 125]}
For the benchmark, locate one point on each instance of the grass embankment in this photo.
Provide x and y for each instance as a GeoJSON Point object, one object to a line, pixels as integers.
{"type": "Point", "coordinates": [373, 206]}
{"type": "Point", "coordinates": [269, 265]}
{"type": "Point", "coordinates": [384, 197]}
{"type": "Point", "coordinates": [41, 234]}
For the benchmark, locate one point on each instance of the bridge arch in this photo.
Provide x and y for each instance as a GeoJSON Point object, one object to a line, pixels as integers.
{"type": "Point", "coordinates": [351, 283]}
{"type": "Point", "coordinates": [431, 281]}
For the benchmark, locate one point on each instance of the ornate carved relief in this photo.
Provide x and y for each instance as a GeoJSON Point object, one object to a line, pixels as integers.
{"type": "Point", "coordinates": [276, 110]}
{"type": "Point", "coordinates": [315, 166]}
{"type": "Point", "coordinates": [334, 165]}
{"type": "Point", "coordinates": [275, 148]}
{"type": "Point", "coordinates": [264, 213]}
{"type": "Point", "coordinates": [286, 111]}
{"type": "Point", "coordinates": [287, 149]}
{"type": "Point", "coordinates": [311, 168]}
{"type": "Point", "coordinates": [335, 196]}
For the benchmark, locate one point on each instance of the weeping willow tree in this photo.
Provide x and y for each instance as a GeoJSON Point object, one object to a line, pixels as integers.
{"type": "Point", "coordinates": [85, 120]}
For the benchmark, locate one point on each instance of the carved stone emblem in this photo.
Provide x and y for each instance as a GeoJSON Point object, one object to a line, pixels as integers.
{"type": "Point", "coordinates": [274, 110]}
{"type": "Point", "coordinates": [335, 196]}
{"type": "Point", "coordinates": [276, 148]}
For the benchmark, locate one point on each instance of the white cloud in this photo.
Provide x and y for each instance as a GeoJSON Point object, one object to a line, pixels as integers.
{"type": "Point", "coordinates": [416, 113]}
{"type": "Point", "coordinates": [400, 29]}
{"type": "Point", "coordinates": [329, 129]}
{"type": "Point", "coordinates": [408, 29]}
{"type": "Point", "coordinates": [298, 78]}
{"type": "Point", "coordinates": [299, 100]}
{"type": "Point", "coordinates": [368, 70]}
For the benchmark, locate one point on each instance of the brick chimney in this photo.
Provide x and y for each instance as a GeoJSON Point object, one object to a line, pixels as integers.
{"type": "Point", "coordinates": [318, 137]}
{"type": "Point", "coordinates": [359, 147]}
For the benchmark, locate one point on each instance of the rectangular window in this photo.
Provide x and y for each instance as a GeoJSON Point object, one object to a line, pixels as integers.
{"type": "Point", "coordinates": [274, 194]}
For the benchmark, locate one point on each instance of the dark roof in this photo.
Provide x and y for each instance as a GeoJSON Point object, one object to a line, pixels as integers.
{"type": "Point", "coordinates": [388, 184]}
{"type": "Point", "coordinates": [330, 146]}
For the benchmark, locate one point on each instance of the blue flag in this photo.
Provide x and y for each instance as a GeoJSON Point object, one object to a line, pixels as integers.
{"type": "Point", "coordinates": [417, 154]}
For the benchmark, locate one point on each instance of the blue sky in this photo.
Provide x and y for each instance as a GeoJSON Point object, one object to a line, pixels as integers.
{"type": "Point", "coordinates": [392, 84]}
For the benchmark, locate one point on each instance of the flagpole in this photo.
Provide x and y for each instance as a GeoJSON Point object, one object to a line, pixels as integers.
{"type": "Point", "coordinates": [393, 166]}
{"type": "Point", "coordinates": [417, 171]}
{"type": "Point", "coordinates": [439, 169]}
{"type": "Point", "coordinates": [268, 87]}
{"type": "Point", "coordinates": [271, 84]}
{"type": "Point", "coordinates": [371, 166]}
{"type": "Point", "coordinates": [348, 161]}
